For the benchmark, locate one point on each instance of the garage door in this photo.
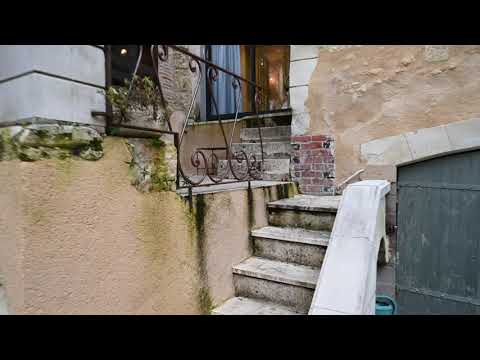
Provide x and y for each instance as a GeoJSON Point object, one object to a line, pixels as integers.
{"type": "Point", "coordinates": [438, 242]}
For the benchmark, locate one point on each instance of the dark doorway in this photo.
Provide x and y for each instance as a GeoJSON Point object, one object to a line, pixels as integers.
{"type": "Point", "coordinates": [266, 65]}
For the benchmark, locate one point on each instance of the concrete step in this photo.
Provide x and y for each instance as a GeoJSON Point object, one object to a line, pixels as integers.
{"type": "Point", "coordinates": [284, 283]}
{"type": "Point", "coordinates": [271, 150]}
{"type": "Point", "coordinates": [293, 245]}
{"type": "Point", "coordinates": [304, 211]}
{"type": "Point", "coordinates": [248, 306]}
{"type": "Point", "coordinates": [274, 169]}
{"type": "Point", "coordinates": [269, 134]}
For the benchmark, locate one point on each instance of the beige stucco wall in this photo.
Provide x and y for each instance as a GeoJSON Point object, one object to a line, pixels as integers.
{"type": "Point", "coordinates": [77, 238]}
{"type": "Point", "coordinates": [208, 134]}
{"type": "Point", "coordinates": [363, 93]}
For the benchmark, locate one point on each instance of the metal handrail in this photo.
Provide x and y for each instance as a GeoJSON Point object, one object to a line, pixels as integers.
{"type": "Point", "coordinates": [254, 167]}
{"type": "Point", "coordinates": [340, 186]}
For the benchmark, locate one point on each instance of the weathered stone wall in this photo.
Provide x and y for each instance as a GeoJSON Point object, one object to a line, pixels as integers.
{"type": "Point", "coordinates": [178, 85]}
{"type": "Point", "coordinates": [87, 237]}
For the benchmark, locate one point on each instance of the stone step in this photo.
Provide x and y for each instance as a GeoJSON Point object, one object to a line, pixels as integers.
{"type": "Point", "coordinates": [304, 211]}
{"type": "Point", "coordinates": [271, 150]}
{"type": "Point", "coordinates": [269, 134]}
{"type": "Point", "coordinates": [267, 140]}
{"type": "Point", "coordinates": [308, 203]}
{"type": "Point", "coordinates": [284, 283]}
{"type": "Point", "coordinates": [294, 245]}
{"type": "Point", "coordinates": [274, 169]}
{"type": "Point", "coordinates": [269, 120]}
{"type": "Point", "coordinates": [248, 306]}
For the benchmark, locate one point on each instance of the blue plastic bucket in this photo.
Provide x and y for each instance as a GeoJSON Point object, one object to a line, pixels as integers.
{"type": "Point", "coordinates": [385, 305]}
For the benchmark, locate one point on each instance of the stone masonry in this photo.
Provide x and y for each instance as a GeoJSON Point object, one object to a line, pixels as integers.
{"type": "Point", "coordinates": [313, 164]}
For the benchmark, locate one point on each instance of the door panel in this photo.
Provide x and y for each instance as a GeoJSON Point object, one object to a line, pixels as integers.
{"type": "Point", "coordinates": [438, 236]}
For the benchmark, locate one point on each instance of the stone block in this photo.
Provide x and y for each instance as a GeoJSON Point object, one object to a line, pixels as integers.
{"type": "Point", "coordinates": [425, 143]}
{"type": "Point", "coordinates": [464, 134]}
{"type": "Point", "coordinates": [301, 52]}
{"type": "Point", "coordinates": [392, 150]}
{"type": "Point", "coordinates": [300, 123]}
{"type": "Point", "coordinates": [43, 141]}
{"type": "Point", "coordinates": [380, 172]}
{"type": "Point", "coordinates": [154, 164]}
{"type": "Point", "coordinates": [298, 96]}
{"type": "Point", "coordinates": [434, 53]}
{"type": "Point", "coordinates": [301, 71]}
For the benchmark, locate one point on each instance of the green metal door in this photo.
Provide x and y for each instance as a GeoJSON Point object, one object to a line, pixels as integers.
{"type": "Point", "coordinates": [438, 242]}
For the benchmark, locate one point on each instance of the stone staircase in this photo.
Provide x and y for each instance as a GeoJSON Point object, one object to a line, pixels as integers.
{"type": "Point", "coordinates": [276, 151]}
{"type": "Point", "coordinates": [280, 277]}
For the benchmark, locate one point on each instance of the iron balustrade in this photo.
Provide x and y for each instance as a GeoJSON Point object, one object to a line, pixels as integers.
{"type": "Point", "coordinates": [241, 165]}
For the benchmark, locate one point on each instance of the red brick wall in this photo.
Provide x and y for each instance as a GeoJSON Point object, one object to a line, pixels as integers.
{"type": "Point", "coordinates": [313, 164]}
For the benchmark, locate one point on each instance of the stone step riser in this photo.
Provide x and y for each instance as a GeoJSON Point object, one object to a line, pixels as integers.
{"type": "Point", "coordinates": [269, 165]}
{"type": "Point", "coordinates": [291, 252]}
{"type": "Point", "coordinates": [256, 140]}
{"type": "Point", "coordinates": [310, 220]}
{"type": "Point", "coordinates": [272, 150]}
{"type": "Point", "coordinates": [249, 306]}
{"type": "Point", "coordinates": [267, 132]}
{"type": "Point", "coordinates": [297, 297]}
{"type": "Point", "coordinates": [274, 169]}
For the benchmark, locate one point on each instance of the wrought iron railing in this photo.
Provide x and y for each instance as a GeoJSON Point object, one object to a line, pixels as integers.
{"type": "Point", "coordinates": [241, 165]}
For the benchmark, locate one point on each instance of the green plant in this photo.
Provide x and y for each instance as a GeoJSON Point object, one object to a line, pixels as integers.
{"type": "Point", "coordinates": [139, 94]}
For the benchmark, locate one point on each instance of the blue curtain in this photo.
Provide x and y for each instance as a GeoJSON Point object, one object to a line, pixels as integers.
{"type": "Point", "coordinates": [227, 57]}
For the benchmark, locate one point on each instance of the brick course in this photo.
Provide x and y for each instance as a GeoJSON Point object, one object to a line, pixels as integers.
{"type": "Point", "coordinates": [313, 164]}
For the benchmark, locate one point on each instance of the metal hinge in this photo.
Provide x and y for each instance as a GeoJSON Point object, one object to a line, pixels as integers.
{"type": "Point", "coordinates": [391, 229]}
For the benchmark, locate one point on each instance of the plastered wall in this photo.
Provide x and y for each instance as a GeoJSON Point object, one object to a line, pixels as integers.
{"type": "Point", "coordinates": [77, 238]}
{"type": "Point", "coordinates": [362, 93]}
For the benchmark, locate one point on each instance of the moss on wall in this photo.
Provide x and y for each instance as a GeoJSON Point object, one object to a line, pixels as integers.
{"type": "Point", "coordinates": [200, 212]}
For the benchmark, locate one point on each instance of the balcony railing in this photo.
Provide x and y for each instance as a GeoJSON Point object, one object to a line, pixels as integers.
{"type": "Point", "coordinates": [241, 166]}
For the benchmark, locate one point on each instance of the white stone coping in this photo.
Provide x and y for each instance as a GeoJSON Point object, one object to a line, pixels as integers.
{"type": "Point", "coordinates": [347, 280]}
{"type": "Point", "coordinates": [40, 96]}
{"type": "Point", "coordinates": [85, 63]}
{"type": "Point", "coordinates": [227, 185]}
{"type": "Point", "coordinates": [423, 144]}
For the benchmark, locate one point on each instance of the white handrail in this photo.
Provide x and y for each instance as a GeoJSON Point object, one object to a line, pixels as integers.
{"type": "Point", "coordinates": [347, 280]}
